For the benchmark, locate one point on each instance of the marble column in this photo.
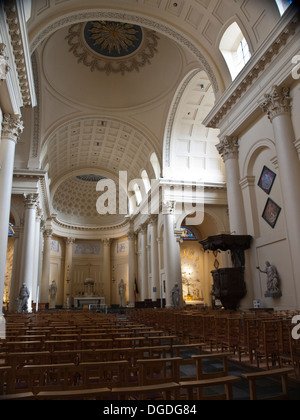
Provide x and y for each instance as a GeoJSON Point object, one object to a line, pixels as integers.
{"type": "Point", "coordinates": [154, 287]}
{"type": "Point", "coordinates": [12, 127]}
{"type": "Point", "coordinates": [106, 270]}
{"type": "Point", "coordinates": [143, 284]}
{"type": "Point", "coordinates": [4, 68]}
{"type": "Point", "coordinates": [44, 295]}
{"type": "Point", "coordinates": [277, 105]}
{"type": "Point", "coordinates": [171, 253]}
{"type": "Point", "coordinates": [30, 203]}
{"type": "Point", "coordinates": [229, 150]}
{"type": "Point", "coordinates": [15, 277]}
{"type": "Point", "coordinates": [68, 271]}
{"type": "Point", "coordinates": [37, 253]}
{"type": "Point", "coordinates": [132, 267]}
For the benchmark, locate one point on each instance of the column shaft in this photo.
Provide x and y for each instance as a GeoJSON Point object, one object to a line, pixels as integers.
{"type": "Point", "coordinates": [44, 296]}
{"type": "Point", "coordinates": [228, 148]}
{"type": "Point", "coordinates": [12, 127]}
{"type": "Point", "coordinates": [106, 270]}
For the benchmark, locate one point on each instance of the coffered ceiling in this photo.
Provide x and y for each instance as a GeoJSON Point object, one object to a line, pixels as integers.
{"type": "Point", "coordinates": [107, 74]}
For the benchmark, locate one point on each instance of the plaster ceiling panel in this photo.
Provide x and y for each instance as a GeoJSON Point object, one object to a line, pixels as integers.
{"type": "Point", "coordinates": [76, 81]}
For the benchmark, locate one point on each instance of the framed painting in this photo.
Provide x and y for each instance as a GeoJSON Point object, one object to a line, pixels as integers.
{"type": "Point", "coordinates": [271, 212]}
{"type": "Point", "coordinates": [266, 180]}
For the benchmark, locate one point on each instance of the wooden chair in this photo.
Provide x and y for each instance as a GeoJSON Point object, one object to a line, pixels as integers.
{"type": "Point", "coordinates": [20, 359]}
{"type": "Point", "coordinates": [74, 394]}
{"type": "Point", "coordinates": [291, 356]}
{"type": "Point", "coordinates": [165, 392]}
{"type": "Point", "coordinates": [269, 342]}
{"type": "Point", "coordinates": [158, 371]}
{"type": "Point", "coordinates": [201, 374]}
{"type": "Point", "coordinates": [282, 373]}
{"type": "Point", "coordinates": [194, 389]}
{"type": "Point", "coordinates": [105, 374]}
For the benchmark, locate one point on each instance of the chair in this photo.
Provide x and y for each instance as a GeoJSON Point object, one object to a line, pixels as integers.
{"type": "Point", "coordinates": [269, 341]}
{"type": "Point", "coordinates": [282, 373]}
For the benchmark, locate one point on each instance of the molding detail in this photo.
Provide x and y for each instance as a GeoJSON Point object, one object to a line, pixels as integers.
{"type": "Point", "coordinates": [228, 148]}
{"type": "Point", "coordinates": [4, 67]}
{"type": "Point", "coordinates": [101, 63]}
{"type": "Point", "coordinates": [277, 102]}
{"type": "Point", "coordinates": [21, 60]}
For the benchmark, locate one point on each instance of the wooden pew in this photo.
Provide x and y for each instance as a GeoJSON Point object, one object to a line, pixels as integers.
{"type": "Point", "coordinates": [166, 391]}
{"type": "Point", "coordinates": [200, 385]}
{"type": "Point", "coordinates": [282, 373]}
{"type": "Point", "coordinates": [74, 394]}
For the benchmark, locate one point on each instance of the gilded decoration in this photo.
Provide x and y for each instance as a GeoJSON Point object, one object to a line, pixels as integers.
{"type": "Point", "coordinates": [112, 47]}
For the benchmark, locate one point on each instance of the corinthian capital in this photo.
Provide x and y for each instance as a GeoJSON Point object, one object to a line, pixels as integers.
{"type": "Point", "coordinates": [277, 102]}
{"type": "Point", "coordinates": [12, 127]}
{"type": "Point", "coordinates": [228, 147]}
{"type": "Point", "coordinates": [4, 67]}
{"type": "Point", "coordinates": [30, 201]}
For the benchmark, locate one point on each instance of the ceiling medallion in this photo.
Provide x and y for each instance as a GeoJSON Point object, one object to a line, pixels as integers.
{"type": "Point", "coordinates": [112, 47]}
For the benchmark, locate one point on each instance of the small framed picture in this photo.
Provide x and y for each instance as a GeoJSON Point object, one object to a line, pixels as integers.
{"type": "Point", "coordinates": [266, 180]}
{"type": "Point", "coordinates": [271, 213]}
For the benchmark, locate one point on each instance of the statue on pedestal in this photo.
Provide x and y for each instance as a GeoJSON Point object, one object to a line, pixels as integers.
{"type": "Point", "coordinates": [122, 290]}
{"type": "Point", "coordinates": [175, 296]}
{"type": "Point", "coordinates": [272, 280]}
{"type": "Point", "coordinates": [23, 299]}
{"type": "Point", "coordinates": [52, 291]}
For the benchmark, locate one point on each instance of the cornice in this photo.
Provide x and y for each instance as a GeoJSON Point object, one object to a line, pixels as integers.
{"type": "Point", "coordinates": [272, 46]}
{"type": "Point", "coordinates": [15, 20]}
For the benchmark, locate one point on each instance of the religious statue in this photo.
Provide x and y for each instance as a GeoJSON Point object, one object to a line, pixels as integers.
{"type": "Point", "coordinates": [52, 291]}
{"type": "Point", "coordinates": [272, 280]}
{"type": "Point", "coordinates": [23, 299]}
{"type": "Point", "coordinates": [122, 290]}
{"type": "Point", "coordinates": [175, 296]}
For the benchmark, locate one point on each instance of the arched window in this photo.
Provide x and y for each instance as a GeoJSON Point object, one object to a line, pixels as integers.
{"type": "Point", "coordinates": [283, 5]}
{"type": "Point", "coordinates": [146, 181]}
{"type": "Point", "coordinates": [138, 194]}
{"type": "Point", "coordinates": [235, 49]}
{"type": "Point", "coordinates": [155, 164]}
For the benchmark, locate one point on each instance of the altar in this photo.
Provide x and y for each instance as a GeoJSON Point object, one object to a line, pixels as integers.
{"type": "Point", "coordinates": [84, 302]}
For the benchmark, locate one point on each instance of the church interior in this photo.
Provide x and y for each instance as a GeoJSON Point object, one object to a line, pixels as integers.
{"type": "Point", "coordinates": [149, 199]}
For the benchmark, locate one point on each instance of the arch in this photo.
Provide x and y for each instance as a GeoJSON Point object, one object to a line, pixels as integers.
{"type": "Point", "coordinates": [146, 180]}
{"type": "Point", "coordinates": [189, 151]}
{"type": "Point", "coordinates": [247, 168]}
{"type": "Point", "coordinates": [156, 165]}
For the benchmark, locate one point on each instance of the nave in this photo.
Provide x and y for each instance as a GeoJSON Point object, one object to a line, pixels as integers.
{"type": "Point", "coordinates": [167, 354]}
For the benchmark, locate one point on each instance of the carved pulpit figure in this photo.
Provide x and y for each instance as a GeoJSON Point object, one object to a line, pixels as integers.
{"type": "Point", "coordinates": [52, 292]}
{"type": "Point", "coordinates": [122, 291]}
{"type": "Point", "coordinates": [23, 299]}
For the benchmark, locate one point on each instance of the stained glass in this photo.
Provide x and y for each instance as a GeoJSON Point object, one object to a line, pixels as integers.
{"type": "Point", "coordinates": [188, 234]}
{"type": "Point", "coordinates": [11, 231]}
